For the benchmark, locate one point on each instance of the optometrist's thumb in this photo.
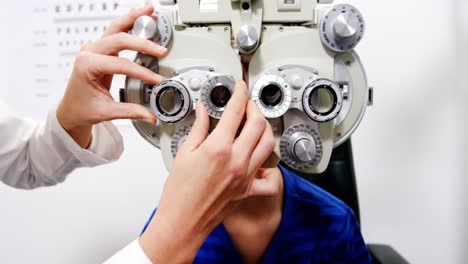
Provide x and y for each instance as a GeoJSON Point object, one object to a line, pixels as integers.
{"type": "Point", "coordinates": [267, 184]}
{"type": "Point", "coordinates": [132, 112]}
{"type": "Point", "coordinates": [199, 131]}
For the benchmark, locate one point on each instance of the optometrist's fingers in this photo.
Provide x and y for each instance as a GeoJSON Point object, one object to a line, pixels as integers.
{"type": "Point", "coordinates": [251, 133]}
{"type": "Point", "coordinates": [227, 128]}
{"type": "Point", "coordinates": [199, 130]}
{"type": "Point", "coordinates": [262, 152]}
{"type": "Point", "coordinates": [129, 111]}
{"type": "Point", "coordinates": [268, 183]}
{"type": "Point", "coordinates": [272, 161]}
{"type": "Point", "coordinates": [101, 65]}
{"type": "Point", "coordinates": [125, 23]}
{"type": "Point", "coordinates": [122, 41]}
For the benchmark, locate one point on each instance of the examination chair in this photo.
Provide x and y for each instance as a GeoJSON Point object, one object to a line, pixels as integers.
{"type": "Point", "coordinates": [340, 180]}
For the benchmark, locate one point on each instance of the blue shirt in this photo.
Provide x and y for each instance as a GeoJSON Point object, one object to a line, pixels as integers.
{"type": "Point", "coordinates": [315, 227]}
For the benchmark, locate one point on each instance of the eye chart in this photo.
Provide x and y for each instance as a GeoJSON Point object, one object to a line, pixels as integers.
{"type": "Point", "coordinates": [44, 38]}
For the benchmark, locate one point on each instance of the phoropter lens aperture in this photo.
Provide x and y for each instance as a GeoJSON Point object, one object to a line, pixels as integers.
{"type": "Point", "coordinates": [271, 95]}
{"type": "Point", "coordinates": [170, 101]}
{"type": "Point", "coordinates": [220, 96]}
{"type": "Point", "coordinates": [216, 93]}
{"type": "Point", "coordinates": [322, 100]}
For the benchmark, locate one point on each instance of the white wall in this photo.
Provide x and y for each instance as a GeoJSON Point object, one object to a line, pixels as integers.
{"type": "Point", "coordinates": [409, 155]}
{"type": "Point", "coordinates": [461, 207]}
{"type": "Point", "coordinates": [3, 56]}
{"type": "Point", "coordinates": [409, 147]}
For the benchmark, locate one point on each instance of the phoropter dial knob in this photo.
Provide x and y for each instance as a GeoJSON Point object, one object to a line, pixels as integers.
{"type": "Point", "coordinates": [145, 27]}
{"type": "Point", "coordinates": [346, 25]}
{"type": "Point", "coordinates": [247, 39]}
{"type": "Point", "coordinates": [273, 95]}
{"type": "Point", "coordinates": [157, 28]}
{"type": "Point", "coordinates": [216, 93]}
{"type": "Point", "coordinates": [179, 138]}
{"type": "Point", "coordinates": [301, 147]}
{"type": "Point", "coordinates": [342, 28]}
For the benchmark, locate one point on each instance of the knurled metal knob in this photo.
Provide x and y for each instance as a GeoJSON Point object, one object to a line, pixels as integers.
{"type": "Point", "coordinates": [247, 38]}
{"type": "Point", "coordinates": [145, 27]}
{"type": "Point", "coordinates": [303, 146]}
{"type": "Point", "coordinates": [305, 150]}
{"type": "Point", "coordinates": [342, 28]}
{"type": "Point", "coordinates": [346, 25]}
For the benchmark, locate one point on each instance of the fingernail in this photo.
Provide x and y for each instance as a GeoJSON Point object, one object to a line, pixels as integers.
{"type": "Point", "coordinates": [151, 120]}
{"type": "Point", "coordinates": [162, 49]}
{"type": "Point", "coordinates": [158, 78]}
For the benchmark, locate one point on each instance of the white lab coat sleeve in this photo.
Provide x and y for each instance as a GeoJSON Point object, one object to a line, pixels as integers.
{"type": "Point", "coordinates": [130, 254]}
{"type": "Point", "coordinates": [43, 154]}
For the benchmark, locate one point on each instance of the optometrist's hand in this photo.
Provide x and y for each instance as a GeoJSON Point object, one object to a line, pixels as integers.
{"type": "Point", "coordinates": [210, 173]}
{"type": "Point", "coordinates": [87, 100]}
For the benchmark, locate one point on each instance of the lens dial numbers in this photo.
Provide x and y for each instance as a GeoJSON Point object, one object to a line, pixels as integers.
{"type": "Point", "coordinates": [273, 95]}
{"type": "Point", "coordinates": [180, 136]}
{"type": "Point", "coordinates": [301, 147]}
{"type": "Point", "coordinates": [165, 30]}
{"type": "Point", "coordinates": [157, 28]}
{"type": "Point", "coordinates": [342, 28]}
{"type": "Point", "coordinates": [216, 93]}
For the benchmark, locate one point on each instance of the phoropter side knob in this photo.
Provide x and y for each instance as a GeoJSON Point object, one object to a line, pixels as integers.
{"type": "Point", "coordinates": [157, 28]}
{"type": "Point", "coordinates": [145, 27]}
{"type": "Point", "coordinates": [342, 28]}
{"type": "Point", "coordinates": [346, 25]}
